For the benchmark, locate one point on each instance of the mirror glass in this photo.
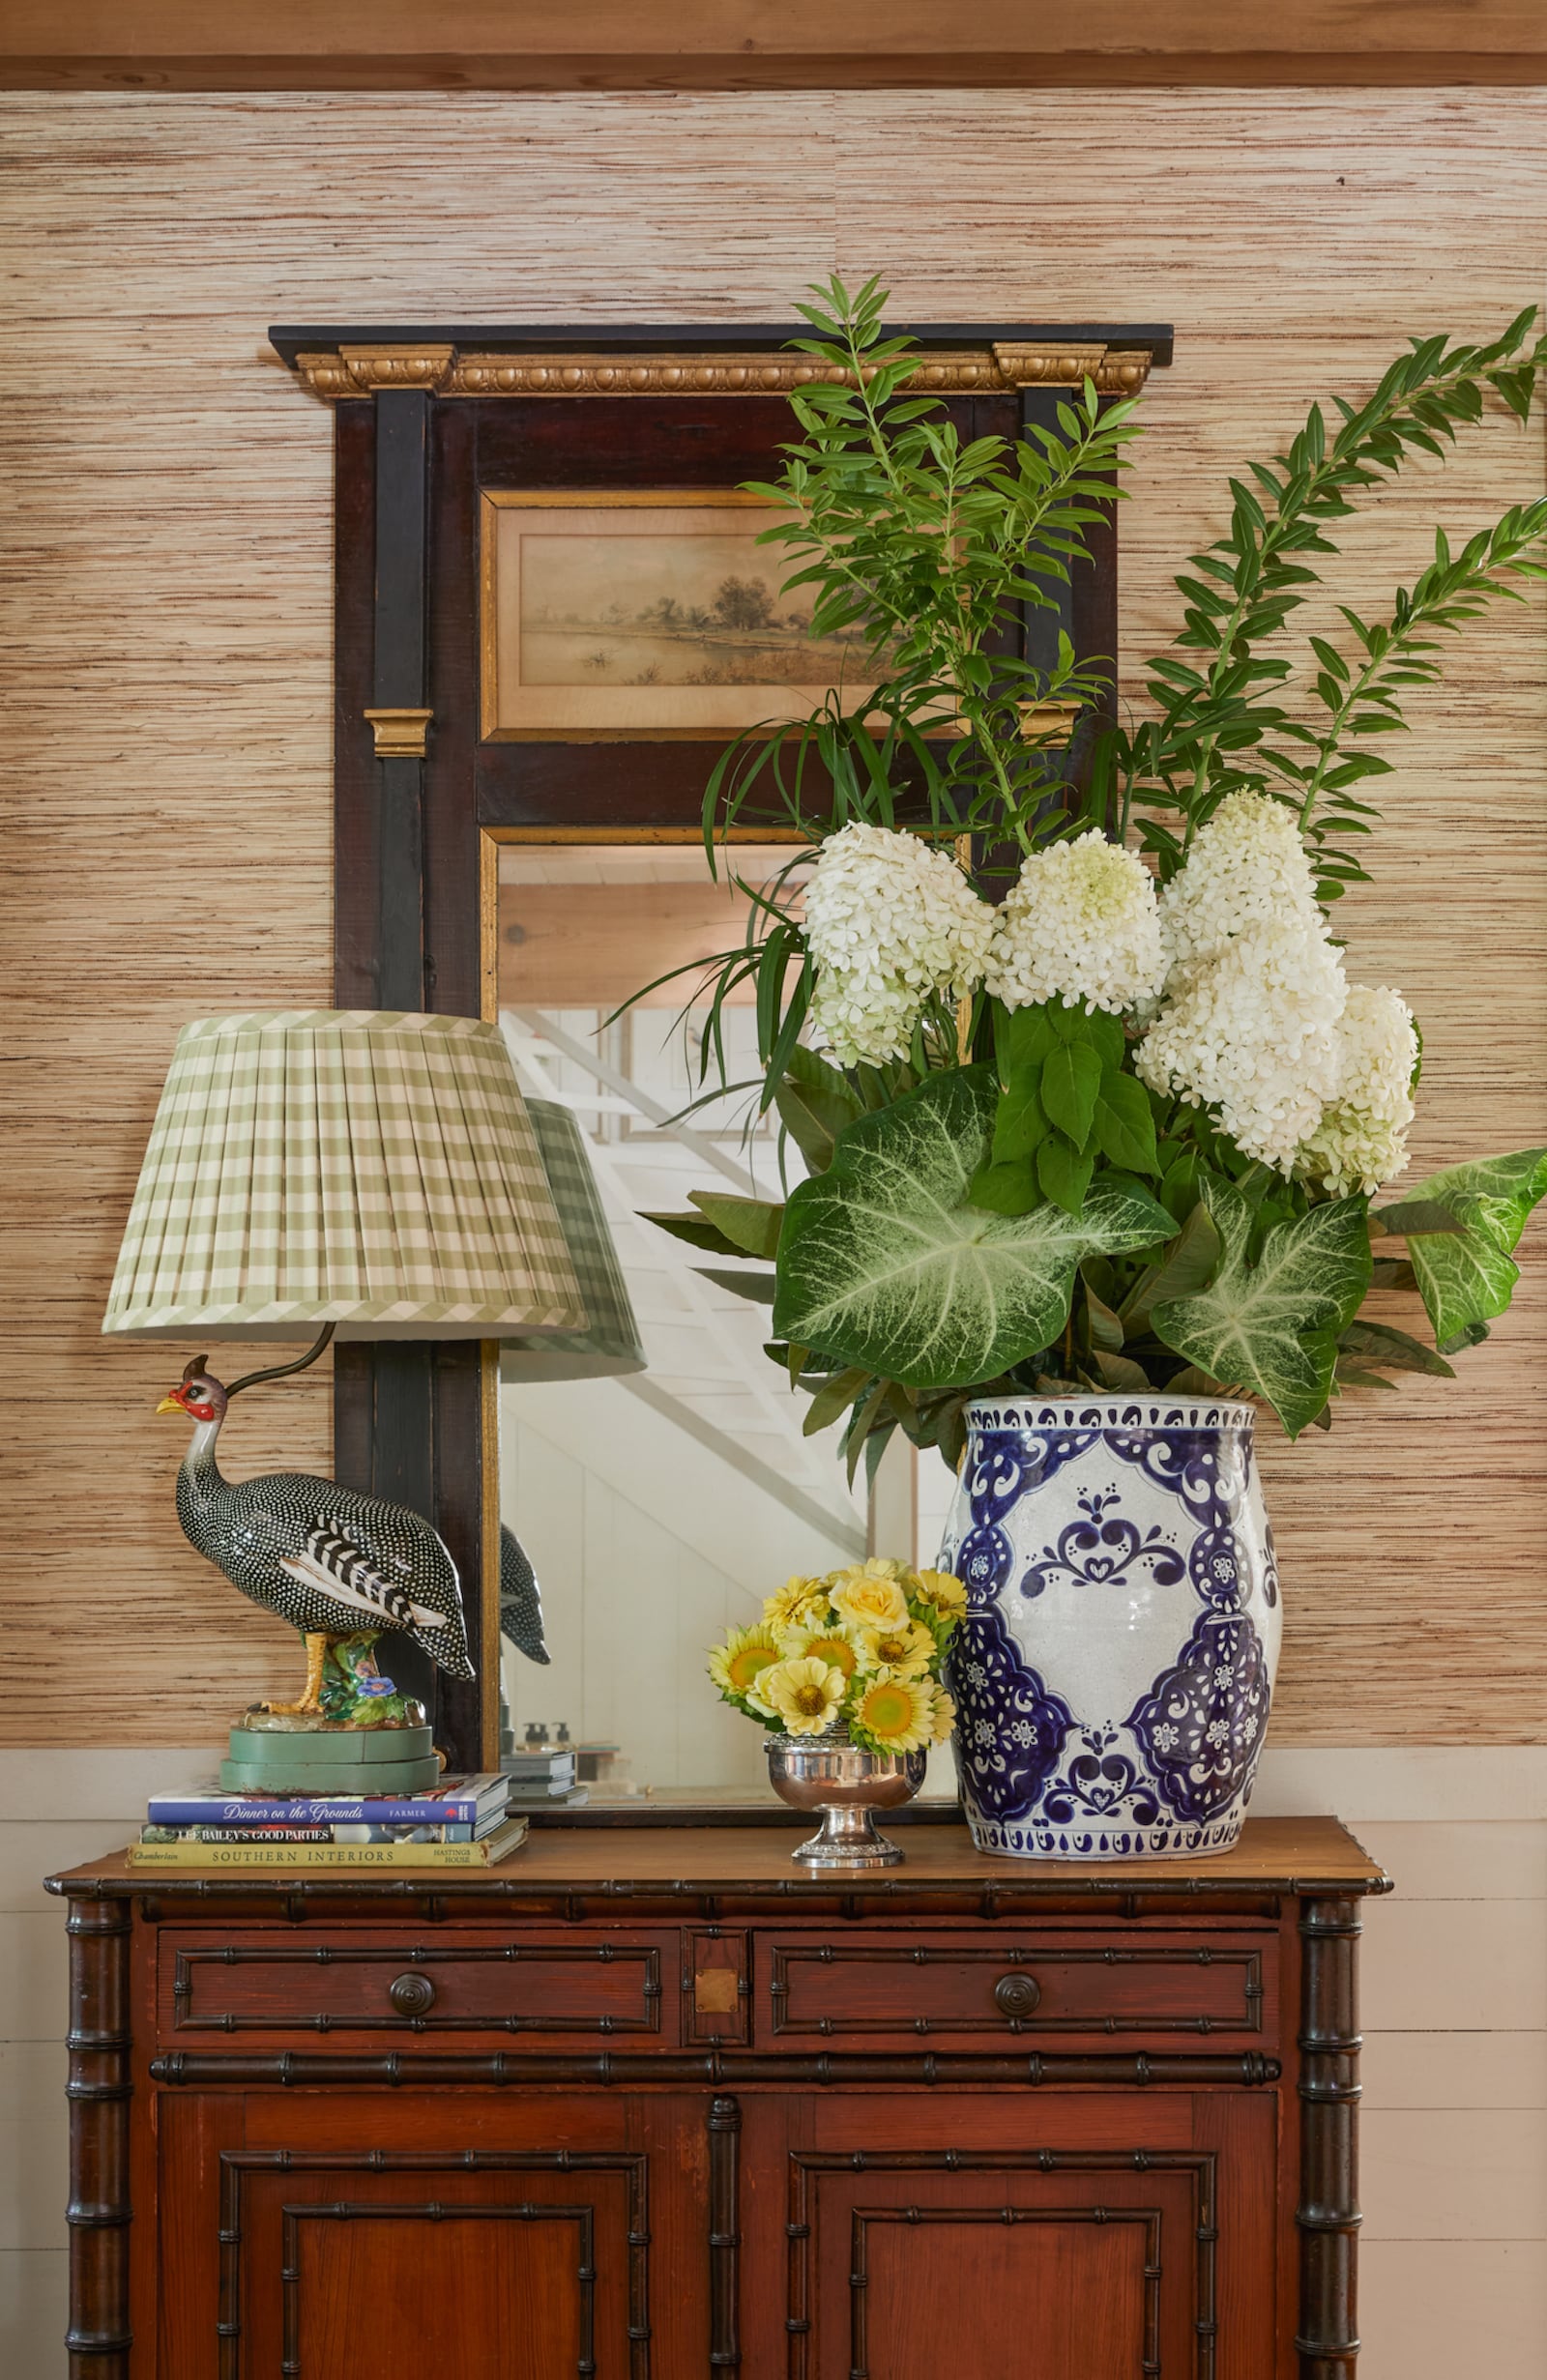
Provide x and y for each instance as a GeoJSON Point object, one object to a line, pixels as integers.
{"type": "Point", "coordinates": [661, 1499]}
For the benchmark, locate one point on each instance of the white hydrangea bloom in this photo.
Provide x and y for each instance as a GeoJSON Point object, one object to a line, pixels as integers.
{"type": "Point", "coordinates": [1247, 867]}
{"type": "Point", "coordinates": [1081, 924]}
{"type": "Point", "coordinates": [1362, 1138]}
{"type": "Point", "coordinates": [1252, 1032]}
{"type": "Point", "coordinates": [889, 923]}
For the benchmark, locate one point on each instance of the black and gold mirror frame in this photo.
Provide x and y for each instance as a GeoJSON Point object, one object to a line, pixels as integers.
{"type": "Point", "coordinates": [427, 421]}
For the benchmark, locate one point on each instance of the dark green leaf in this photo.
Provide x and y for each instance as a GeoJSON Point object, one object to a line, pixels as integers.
{"type": "Point", "coordinates": [757, 1286]}
{"type": "Point", "coordinates": [1070, 1086]}
{"type": "Point", "coordinates": [697, 1233]}
{"type": "Point", "coordinates": [1020, 1120]}
{"type": "Point", "coordinates": [1124, 1124]}
{"type": "Point", "coordinates": [750, 1225]}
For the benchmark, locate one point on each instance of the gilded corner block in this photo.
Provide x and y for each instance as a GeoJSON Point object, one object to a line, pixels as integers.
{"type": "Point", "coordinates": [399, 733]}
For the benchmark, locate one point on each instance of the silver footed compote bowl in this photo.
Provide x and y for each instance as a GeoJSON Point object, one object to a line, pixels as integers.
{"type": "Point", "coordinates": [847, 1785]}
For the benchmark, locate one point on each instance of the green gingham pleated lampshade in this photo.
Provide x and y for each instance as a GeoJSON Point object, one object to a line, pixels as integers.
{"type": "Point", "coordinates": [376, 1172]}
{"type": "Point", "coordinates": [609, 1344]}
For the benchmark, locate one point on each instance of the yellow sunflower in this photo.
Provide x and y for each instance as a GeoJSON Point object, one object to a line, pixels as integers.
{"type": "Point", "coordinates": [798, 1599]}
{"type": "Point", "coordinates": [835, 1643]}
{"type": "Point", "coordinates": [807, 1695]}
{"type": "Point", "coordinates": [871, 1596]}
{"type": "Point", "coordinates": [944, 1716]}
{"type": "Point", "coordinates": [904, 1649]}
{"type": "Point", "coordinates": [896, 1713]}
{"type": "Point", "coordinates": [734, 1664]}
{"type": "Point", "coordinates": [944, 1593]}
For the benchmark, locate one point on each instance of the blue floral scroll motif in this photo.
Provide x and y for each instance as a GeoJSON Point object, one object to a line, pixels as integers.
{"type": "Point", "coordinates": [1202, 1722]}
{"type": "Point", "coordinates": [1004, 1463]}
{"type": "Point", "coordinates": [1102, 1549]}
{"type": "Point", "coordinates": [1208, 1473]}
{"type": "Point", "coordinates": [1101, 1782]}
{"type": "Point", "coordinates": [1010, 1731]}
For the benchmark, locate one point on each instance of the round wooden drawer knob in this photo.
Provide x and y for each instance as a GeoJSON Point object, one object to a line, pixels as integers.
{"type": "Point", "coordinates": [1016, 1995]}
{"type": "Point", "coordinates": [414, 1996]}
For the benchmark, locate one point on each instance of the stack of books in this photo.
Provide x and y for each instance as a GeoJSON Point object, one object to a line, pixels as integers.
{"type": "Point", "coordinates": [460, 1822]}
{"type": "Point", "coordinates": [543, 1776]}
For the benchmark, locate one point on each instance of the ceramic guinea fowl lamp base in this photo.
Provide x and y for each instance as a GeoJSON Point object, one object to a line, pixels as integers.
{"type": "Point", "coordinates": [276, 1753]}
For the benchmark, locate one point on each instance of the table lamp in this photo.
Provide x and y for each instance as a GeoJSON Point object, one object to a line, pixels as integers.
{"type": "Point", "coordinates": [369, 1177]}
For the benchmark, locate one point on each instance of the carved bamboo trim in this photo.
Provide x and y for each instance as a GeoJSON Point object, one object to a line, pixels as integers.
{"type": "Point", "coordinates": [1328, 2215]}
{"type": "Point", "coordinates": [724, 2234]}
{"type": "Point", "coordinates": [98, 2090]}
{"type": "Point", "coordinates": [296, 2067]}
{"type": "Point", "coordinates": [346, 372]}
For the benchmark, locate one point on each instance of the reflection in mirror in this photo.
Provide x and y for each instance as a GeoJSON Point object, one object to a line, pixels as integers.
{"type": "Point", "coordinates": [654, 1471]}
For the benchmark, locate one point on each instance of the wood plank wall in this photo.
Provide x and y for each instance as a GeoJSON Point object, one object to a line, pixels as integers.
{"type": "Point", "coordinates": [163, 545]}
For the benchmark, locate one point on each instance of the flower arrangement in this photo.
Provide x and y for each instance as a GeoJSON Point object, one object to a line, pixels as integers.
{"type": "Point", "coordinates": [860, 1651]}
{"type": "Point", "coordinates": [1058, 1020]}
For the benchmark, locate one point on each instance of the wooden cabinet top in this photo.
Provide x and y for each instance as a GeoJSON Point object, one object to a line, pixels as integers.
{"type": "Point", "coordinates": [676, 1867]}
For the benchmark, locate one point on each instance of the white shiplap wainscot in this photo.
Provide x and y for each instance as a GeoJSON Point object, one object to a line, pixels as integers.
{"type": "Point", "coordinates": [1453, 2259]}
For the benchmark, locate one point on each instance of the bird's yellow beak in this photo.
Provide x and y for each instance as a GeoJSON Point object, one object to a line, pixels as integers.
{"type": "Point", "coordinates": [171, 1405]}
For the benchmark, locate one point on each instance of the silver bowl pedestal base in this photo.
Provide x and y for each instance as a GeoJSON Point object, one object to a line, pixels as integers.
{"type": "Point", "coordinates": [846, 1785]}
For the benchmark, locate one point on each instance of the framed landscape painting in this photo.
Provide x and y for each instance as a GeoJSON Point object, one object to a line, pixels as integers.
{"type": "Point", "coordinates": [637, 613]}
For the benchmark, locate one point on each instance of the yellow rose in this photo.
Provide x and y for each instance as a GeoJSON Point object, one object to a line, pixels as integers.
{"type": "Point", "coordinates": [734, 1664]}
{"type": "Point", "coordinates": [896, 1713]}
{"type": "Point", "coordinates": [904, 1650]}
{"type": "Point", "coordinates": [943, 1593]}
{"type": "Point", "coordinates": [798, 1599]}
{"type": "Point", "coordinates": [807, 1695]}
{"type": "Point", "coordinates": [870, 1598]}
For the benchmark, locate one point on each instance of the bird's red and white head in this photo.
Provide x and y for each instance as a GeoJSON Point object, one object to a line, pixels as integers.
{"type": "Point", "coordinates": [197, 1394]}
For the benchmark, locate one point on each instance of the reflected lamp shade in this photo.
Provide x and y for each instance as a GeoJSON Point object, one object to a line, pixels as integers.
{"type": "Point", "coordinates": [379, 1172]}
{"type": "Point", "coordinates": [609, 1343]}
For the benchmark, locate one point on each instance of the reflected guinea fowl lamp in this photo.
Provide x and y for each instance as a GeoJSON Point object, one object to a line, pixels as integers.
{"type": "Point", "coordinates": [351, 1174]}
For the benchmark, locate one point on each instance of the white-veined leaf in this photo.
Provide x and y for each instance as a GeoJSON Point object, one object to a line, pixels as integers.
{"type": "Point", "coordinates": [884, 1262]}
{"type": "Point", "coordinates": [1271, 1326]}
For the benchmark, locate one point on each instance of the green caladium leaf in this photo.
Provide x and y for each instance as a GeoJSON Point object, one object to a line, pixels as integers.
{"type": "Point", "coordinates": [750, 1225]}
{"type": "Point", "coordinates": [1124, 1124]}
{"type": "Point", "coordinates": [1467, 1277]}
{"type": "Point", "coordinates": [1271, 1326]}
{"type": "Point", "coordinates": [1071, 1085]}
{"type": "Point", "coordinates": [886, 1263]}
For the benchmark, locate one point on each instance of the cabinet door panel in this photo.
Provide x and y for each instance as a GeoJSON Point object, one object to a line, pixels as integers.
{"type": "Point", "coordinates": [975, 2247]}
{"type": "Point", "coordinates": [334, 2236]}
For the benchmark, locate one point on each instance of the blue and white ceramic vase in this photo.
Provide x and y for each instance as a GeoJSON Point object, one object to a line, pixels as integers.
{"type": "Point", "coordinates": [1114, 1672]}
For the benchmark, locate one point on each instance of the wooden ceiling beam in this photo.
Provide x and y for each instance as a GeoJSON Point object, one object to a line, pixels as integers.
{"type": "Point", "coordinates": [761, 45]}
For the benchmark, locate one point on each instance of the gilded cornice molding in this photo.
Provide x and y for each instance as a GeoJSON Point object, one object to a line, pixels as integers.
{"type": "Point", "coordinates": [359, 371]}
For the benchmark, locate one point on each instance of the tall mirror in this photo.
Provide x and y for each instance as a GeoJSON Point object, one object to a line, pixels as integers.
{"type": "Point", "coordinates": [664, 1487]}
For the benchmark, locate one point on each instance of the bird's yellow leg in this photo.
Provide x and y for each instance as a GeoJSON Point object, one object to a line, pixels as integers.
{"type": "Point", "coordinates": [311, 1700]}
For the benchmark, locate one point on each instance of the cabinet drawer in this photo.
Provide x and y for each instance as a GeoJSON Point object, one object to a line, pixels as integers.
{"type": "Point", "coordinates": [891, 1990]}
{"type": "Point", "coordinates": [554, 1986]}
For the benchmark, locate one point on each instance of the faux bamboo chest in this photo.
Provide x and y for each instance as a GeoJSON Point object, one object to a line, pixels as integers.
{"type": "Point", "coordinates": [649, 2105]}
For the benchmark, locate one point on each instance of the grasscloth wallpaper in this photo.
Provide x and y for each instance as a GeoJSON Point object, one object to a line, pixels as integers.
{"type": "Point", "coordinates": [166, 653]}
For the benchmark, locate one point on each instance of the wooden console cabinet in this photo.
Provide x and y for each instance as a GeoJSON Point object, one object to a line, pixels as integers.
{"type": "Point", "coordinates": [651, 2105]}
